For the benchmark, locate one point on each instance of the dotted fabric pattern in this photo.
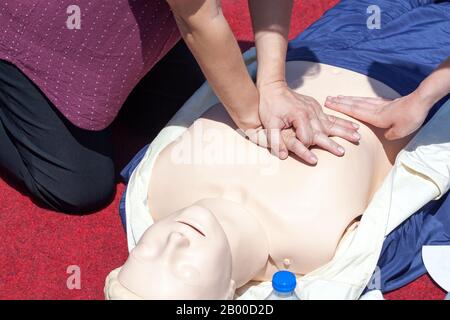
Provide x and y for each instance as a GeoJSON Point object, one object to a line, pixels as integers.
{"type": "Point", "coordinates": [87, 73]}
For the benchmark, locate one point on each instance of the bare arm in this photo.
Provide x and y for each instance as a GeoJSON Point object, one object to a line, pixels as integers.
{"type": "Point", "coordinates": [271, 21]}
{"type": "Point", "coordinates": [209, 37]}
{"type": "Point", "coordinates": [436, 85]}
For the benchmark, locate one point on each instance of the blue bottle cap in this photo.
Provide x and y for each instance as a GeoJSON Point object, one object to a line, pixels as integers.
{"type": "Point", "coordinates": [284, 281]}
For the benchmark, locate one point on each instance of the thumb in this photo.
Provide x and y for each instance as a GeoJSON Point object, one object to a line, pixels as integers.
{"type": "Point", "coordinates": [393, 133]}
{"type": "Point", "coordinates": [276, 143]}
{"type": "Point", "coordinates": [284, 153]}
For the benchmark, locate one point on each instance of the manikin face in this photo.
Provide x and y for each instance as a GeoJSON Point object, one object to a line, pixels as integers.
{"type": "Point", "coordinates": [183, 256]}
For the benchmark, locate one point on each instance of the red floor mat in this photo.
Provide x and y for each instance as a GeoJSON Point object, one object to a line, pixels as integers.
{"type": "Point", "coordinates": [39, 245]}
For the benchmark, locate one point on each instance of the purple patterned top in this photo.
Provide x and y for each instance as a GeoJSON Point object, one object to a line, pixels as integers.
{"type": "Point", "coordinates": [87, 57]}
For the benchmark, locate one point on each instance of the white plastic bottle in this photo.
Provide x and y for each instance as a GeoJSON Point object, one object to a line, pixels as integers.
{"type": "Point", "coordinates": [283, 284]}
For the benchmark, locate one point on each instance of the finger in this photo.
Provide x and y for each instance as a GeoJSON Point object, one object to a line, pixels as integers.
{"type": "Point", "coordinates": [257, 136]}
{"type": "Point", "coordinates": [317, 125]}
{"type": "Point", "coordinates": [373, 100]}
{"type": "Point", "coordinates": [396, 132]}
{"type": "Point", "coordinates": [333, 120]}
{"type": "Point", "coordinates": [299, 149]}
{"type": "Point", "coordinates": [392, 134]}
{"type": "Point", "coordinates": [329, 120]}
{"type": "Point", "coordinates": [303, 131]}
{"type": "Point", "coordinates": [262, 139]}
{"type": "Point", "coordinates": [328, 144]}
{"type": "Point", "coordinates": [276, 144]}
{"type": "Point", "coordinates": [355, 111]}
{"type": "Point", "coordinates": [351, 101]}
{"type": "Point", "coordinates": [284, 152]}
{"type": "Point", "coordinates": [338, 130]}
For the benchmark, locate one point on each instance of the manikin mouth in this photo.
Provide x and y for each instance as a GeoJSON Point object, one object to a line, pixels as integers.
{"type": "Point", "coordinates": [192, 227]}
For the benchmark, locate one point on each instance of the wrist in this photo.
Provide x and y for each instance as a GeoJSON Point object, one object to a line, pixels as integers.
{"type": "Point", "coordinates": [426, 97]}
{"type": "Point", "coordinates": [247, 116]}
{"type": "Point", "coordinates": [267, 77]}
{"type": "Point", "coordinates": [248, 121]}
{"type": "Point", "coordinates": [271, 83]}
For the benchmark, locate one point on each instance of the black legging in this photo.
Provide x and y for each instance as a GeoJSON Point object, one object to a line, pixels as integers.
{"type": "Point", "coordinates": [67, 168]}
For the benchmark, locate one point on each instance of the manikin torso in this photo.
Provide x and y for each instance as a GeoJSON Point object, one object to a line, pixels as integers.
{"type": "Point", "coordinates": [304, 210]}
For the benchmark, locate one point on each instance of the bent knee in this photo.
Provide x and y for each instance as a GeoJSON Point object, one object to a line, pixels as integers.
{"type": "Point", "coordinates": [89, 197]}
{"type": "Point", "coordinates": [77, 194]}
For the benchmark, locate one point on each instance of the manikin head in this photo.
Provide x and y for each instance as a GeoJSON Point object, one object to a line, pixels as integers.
{"type": "Point", "coordinates": [186, 255]}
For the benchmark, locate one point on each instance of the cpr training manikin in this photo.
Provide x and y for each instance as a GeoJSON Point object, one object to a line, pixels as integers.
{"type": "Point", "coordinates": [210, 215]}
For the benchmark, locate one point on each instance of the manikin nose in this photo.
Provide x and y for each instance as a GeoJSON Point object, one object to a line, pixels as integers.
{"type": "Point", "coordinates": [176, 240]}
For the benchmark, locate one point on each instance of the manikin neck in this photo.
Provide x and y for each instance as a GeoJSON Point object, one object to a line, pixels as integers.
{"type": "Point", "coordinates": [246, 237]}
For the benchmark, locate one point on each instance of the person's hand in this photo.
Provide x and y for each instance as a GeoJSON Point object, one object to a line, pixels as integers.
{"type": "Point", "coordinates": [294, 122]}
{"type": "Point", "coordinates": [400, 117]}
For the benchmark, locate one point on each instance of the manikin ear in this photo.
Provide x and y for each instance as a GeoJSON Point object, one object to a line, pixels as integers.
{"type": "Point", "coordinates": [231, 290]}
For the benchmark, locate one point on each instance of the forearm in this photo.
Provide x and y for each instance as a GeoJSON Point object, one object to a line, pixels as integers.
{"type": "Point", "coordinates": [271, 21]}
{"type": "Point", "coordinates": [208, 35]}
{"type": "Point", "coordinates": [436, 85]}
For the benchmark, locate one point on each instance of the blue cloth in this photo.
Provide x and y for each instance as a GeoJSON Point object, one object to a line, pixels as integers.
{"type": "Point", "coordinates": [413, 40]}
{"type": "Point", "coordinates": [401, 257]}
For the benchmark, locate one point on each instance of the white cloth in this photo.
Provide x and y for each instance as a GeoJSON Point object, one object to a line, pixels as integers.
{"type": "Point", "coordinates": [436, 260]}
{"type": "Point", "coordinates": [373, 295]}
{"type": "Point", "coordinates": [421, 173]}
